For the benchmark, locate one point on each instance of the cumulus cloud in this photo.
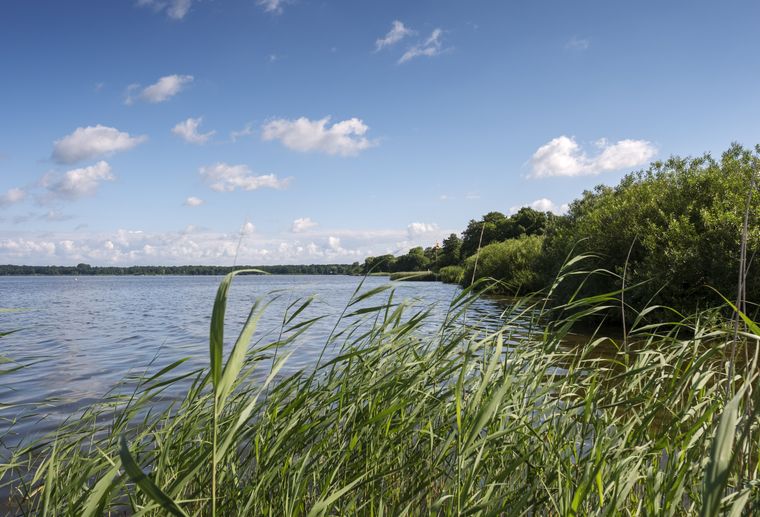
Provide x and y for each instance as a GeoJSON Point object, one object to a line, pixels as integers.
{"type": "Point", "coordinates": [12, 196]}
{"type": "Point", "coordinates": [93, 141]}
{"type": "Point", "coordinates": [188, 131]}
{"type": "Point", "coordinates": [223, 177]}
{"type": "Point", "coordinates": [193, 201]}
{"type": "Point", "coordinates": [272, 6]}
{"type": "Point", "coordinates": [302, 224]}
{"type": "Point", "coordinates": [397, 33]}
{"type": "Point", "coordinates": [78, 183]}
{"type": "Point", "coordinates": [419, 229]}
{"type": "Point", "coordinates": [562, 156]}
{"type": "Point", "coordinates": [429, 48]}
{"type": "Point", "coordinates": [543, 205]}
{"type": "Point", "coordinates": [175, 9]}
{"type": "Point", "coordinates": [345, 138]}
{"type": "Point", "coordinates": [162, 90]}
{"type": "Point", "coordinates": [193, 245]}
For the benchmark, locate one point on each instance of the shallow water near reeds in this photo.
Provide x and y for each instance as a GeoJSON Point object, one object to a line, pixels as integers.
{"type": "Point", "coordinates": [81, 336]}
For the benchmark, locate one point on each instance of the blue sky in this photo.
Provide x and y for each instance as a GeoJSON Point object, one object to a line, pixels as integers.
{"type": "Point", "coordinates": [160, 131]}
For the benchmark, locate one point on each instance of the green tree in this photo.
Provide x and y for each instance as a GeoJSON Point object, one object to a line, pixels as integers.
{"type": "Point", "coordinates": [450, 251]}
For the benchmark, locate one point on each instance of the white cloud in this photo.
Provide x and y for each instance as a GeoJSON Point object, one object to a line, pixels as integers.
{"type": "Point", "coordinates": [562, 156]}
{"type": "Point", "coordinates": [192, 245]}
{"type": "Point", "coordinates": [397, 33]}
{"type": "Point", "coordinates": [272, 6]}
{"type": "Point", "coordinates": [577, 43]}
{"type": "Point", "coordinates": [246, 131]}
{"type": "Point", "coordinates": [345, 138]}
{"type": "Point", "coordinates": [162, 90]}
{"type": "Point", "coordinates": [12, 196]}
{"type": "Point", "coordinates": [78, 183]}
{"type": "Point", "coordinates": [175, 9]}
{"type": "Point", "coordinates": [193, 201]}
{"type": "Point", "coordinates": [302, 224]}
{"type": "Point", "coordinates": [430, 47]}
{"type": "Point", "coordinates": [188, 130]}
{"type": "Point", "coordinates": [543, 205]}
{"type": "Point", "coordinates": [93, 141]}
{"type": "Point", "coordinates": [419, 229]}
{"type": "Point", "coordinates": [223, 177]}
{"type": "Point", "coordinates": [248, 228]}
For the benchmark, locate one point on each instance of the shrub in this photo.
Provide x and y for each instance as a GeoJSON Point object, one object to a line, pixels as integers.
{"type": "Point", "coordinates": [451, 274]}
{"type": "Point", "coordinates": [513, 263]}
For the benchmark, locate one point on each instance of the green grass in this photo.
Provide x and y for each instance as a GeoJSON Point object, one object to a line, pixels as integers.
{"type": "Point", "coordinates": [397, 420]}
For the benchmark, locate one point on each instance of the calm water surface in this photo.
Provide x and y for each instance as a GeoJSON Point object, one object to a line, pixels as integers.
{"type": "Point", "coordinates": [85, 334]}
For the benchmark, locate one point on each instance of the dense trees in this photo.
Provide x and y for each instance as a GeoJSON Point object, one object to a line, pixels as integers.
{"type": "Point", "coordinates": [674, 229]}
{"type": "Point", "coordinates": [681, 222]}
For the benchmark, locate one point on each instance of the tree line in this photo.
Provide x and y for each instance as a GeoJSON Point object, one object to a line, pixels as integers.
{"type": "Point", "coordinates": [86, 269]}
{"type": "Point", "coordinates": [672, 231]}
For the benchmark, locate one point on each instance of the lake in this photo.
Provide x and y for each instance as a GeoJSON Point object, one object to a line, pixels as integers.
{"type": "Point", "coordinates": [82, 335]}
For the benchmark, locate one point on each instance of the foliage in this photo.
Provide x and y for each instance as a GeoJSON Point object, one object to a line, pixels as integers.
{"type": "Point", "coordinates": [677, 225]}
{"type": "Point", "coordinates": [514, 263]}
{"type": "Point", "coordinates": [451, 274]}
{"type": "Point", "coordinates": [497, 227]}
{"type": "Point", "coordinates": [451, 251]}
{"type": "Point", "coordinates": [403, 418]}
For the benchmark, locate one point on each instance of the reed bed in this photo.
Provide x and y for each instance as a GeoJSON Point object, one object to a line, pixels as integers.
{"type": "Point", "coordinates": [398, 419]}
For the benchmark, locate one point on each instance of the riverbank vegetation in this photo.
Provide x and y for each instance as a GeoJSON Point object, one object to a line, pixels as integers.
{"type": "Point", "coordinates": [398, 417]}
{"type": "Point", "coordinates": [675, 228]}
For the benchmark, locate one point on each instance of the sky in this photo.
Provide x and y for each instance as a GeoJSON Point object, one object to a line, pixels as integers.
{"type": "Point", "coordinates": [313, 131]}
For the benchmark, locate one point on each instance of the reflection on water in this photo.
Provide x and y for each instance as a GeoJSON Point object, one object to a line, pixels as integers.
{"type": "Point", "coordinates": [82, 335]}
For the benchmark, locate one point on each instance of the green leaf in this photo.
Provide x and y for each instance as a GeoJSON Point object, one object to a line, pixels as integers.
{"type": "Point", "coordinates": [146, 484]}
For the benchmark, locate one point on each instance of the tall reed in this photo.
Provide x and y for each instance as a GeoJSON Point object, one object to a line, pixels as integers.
{"type": "Point", "coordinates": [399, 418]}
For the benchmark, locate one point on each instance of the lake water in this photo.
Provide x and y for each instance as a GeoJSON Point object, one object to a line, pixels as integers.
{"type": "Point", "coordinates": [82, 335]}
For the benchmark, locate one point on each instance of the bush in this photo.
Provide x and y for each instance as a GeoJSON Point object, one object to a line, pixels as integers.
{"type": "Point", "coordinates": [514, 263]}
{"type": "Point", "coordinates": [677, 225]}
{"type": "Point", "coordinates": [451, 274]}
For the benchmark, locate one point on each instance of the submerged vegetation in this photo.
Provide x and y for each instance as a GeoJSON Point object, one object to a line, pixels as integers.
{"type": "Point", "coordinates": [401, 418]}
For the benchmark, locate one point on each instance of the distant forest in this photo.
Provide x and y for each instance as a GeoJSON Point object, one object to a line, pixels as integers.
{"type": "Point", "coordinates": [86, 269]}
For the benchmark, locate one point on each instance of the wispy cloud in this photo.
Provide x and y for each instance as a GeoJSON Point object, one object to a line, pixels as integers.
{"type": "Point", "coordinates": [174, 9]}
{"type": "Point", "coordinates": [429, 48]}
{"type": "Point", "coordinates": [344, 138]}
{"type": "Point", "coordinates": [223, 177]}
{"type": "Point", "coordinates": [188, 131]}
{"type": "Point", "coordinates": [398, 32]}
{"type": "Point", "coordinates": [272, 6]}
{"type": "Point", "coordinates": [93, 141]}
{"type": "Point", "coordinates": [161, 91]}
{"type": "Point", "coordinates": [562, 156]}
{"type": "Point", "coordinates": [578, 44]}
{"type": "Point", "coordinates": [12, 196]}
{"type": "Point", "coordinates": [193, 201]}
{"type": "Point", "coordinates": [246, 131]}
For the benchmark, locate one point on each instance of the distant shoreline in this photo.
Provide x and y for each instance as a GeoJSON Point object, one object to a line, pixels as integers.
{"type": "Point", "coordinates": [189, 270]}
